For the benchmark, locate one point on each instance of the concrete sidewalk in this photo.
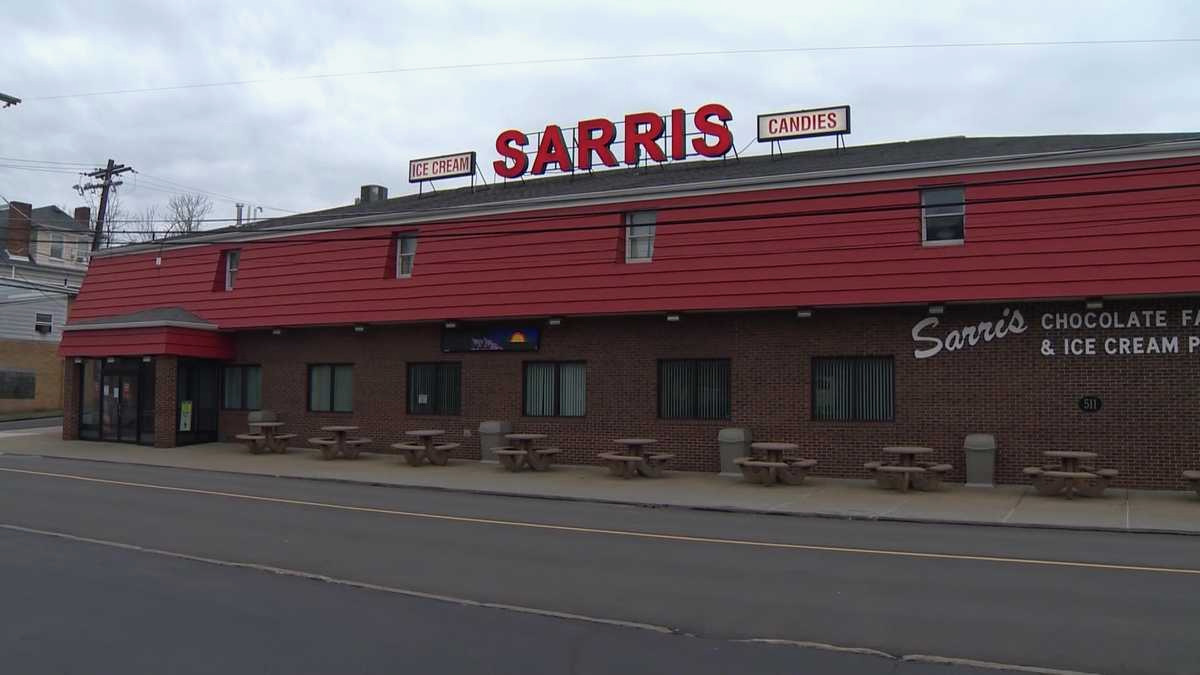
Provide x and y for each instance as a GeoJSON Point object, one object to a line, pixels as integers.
{"type": "Point", "coordinates": [1125, 510]}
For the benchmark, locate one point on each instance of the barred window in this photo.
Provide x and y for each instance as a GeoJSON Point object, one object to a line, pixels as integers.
{"type": "Point", "coordinates": [693, 389]}
{"type": "Point", "coordinates": [858, 389]}
{"type": "Point", "coordinates": [555, 389]}
{"type": "Point", "coordinates": [435, 388]}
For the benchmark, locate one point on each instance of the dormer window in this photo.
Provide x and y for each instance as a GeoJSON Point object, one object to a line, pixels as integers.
{"type": "Point", "coordinates": [406, 254]}
{"type": "Point", "coordinates": [56, 246]}
{"type": "Point", "coordinates": [639, 236]}
{"type": "Point", "coordinates": [232, 258]}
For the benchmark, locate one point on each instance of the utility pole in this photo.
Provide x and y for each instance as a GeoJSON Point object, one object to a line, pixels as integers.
{"type": "Point", "coordinates": [107, 174]}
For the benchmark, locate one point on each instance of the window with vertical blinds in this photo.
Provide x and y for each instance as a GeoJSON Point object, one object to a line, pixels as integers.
{"type": "Point", "coordinates": [555, 389]}
{"type": "Point", "coordinates": [435, 388]}
{"type": "Point", "coordinates": [331, 388]}
{"type": "Point", "coordinates": [854, 389]}
{"type": "Point", "coordinates": [693, 389]}
{"type": "Point", "coordinates": [242, 388]}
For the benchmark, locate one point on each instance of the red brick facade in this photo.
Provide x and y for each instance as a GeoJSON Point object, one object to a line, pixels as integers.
{"type": "Point", "coordinates": [1147, 427]}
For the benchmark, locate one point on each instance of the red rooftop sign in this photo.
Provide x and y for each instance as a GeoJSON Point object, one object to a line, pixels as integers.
{"type": "Point", "coordinates": [641, 136]}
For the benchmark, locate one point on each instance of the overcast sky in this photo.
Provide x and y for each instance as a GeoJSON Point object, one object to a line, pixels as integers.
{"type": "Point", "coordinates": [305, 144]}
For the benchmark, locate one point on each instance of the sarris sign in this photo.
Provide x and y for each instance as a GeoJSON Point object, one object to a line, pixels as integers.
{"type": "Point", "coordinates": [641, 135]}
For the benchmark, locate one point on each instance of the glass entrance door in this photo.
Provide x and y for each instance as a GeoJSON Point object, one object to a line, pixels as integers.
{"type": "Point", "coordinates": [119, 419]}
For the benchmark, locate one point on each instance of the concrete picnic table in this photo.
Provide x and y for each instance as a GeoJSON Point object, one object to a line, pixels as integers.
{"type": "Point", "coordinates": [1070, 477]}
{"type": "Point", "coordinates": [273, 441]}
{"type": "Point", "coordinates": [775, 467]}
{"type": "Point", "coordinates": [907, 454]}
{"type": "Point", "coordinates": [524, 454]}
{"type": "Point", "coordinates": [426, 448]}
{"type": "Point", "coordinates": [339, 445]}
{"type": "Point", "coordinates": [907, 472]}
{"type": "Point", "coordinates": [637, 458]}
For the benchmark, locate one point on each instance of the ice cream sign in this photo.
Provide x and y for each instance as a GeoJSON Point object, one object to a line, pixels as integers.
{"type": "Point", "coordinates": [1139, 332]}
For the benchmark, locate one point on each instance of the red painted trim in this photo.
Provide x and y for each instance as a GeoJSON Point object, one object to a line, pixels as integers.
{"type": "Point", "coordinates": [164, 340]}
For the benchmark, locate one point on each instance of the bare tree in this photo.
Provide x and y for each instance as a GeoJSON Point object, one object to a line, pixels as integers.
{"type": "Point", "coordinates": [143, 226]}
{"type": "Point", "coordinates": [186, 212]}
{"type": "Point", "coordinates": [113, 220]}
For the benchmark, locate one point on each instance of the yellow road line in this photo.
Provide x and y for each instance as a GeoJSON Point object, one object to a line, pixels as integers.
{"type": "Point", "coordinates": [618, 533]}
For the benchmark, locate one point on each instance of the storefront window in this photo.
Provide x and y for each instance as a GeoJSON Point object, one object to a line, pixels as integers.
{"type": "Point", "coordinates": [858, 389]}
{"type": "Point", "coordinates": [693, 389]}
{"type": "Point", "coordinates": [89, 408]}
{"type": "Point", "coordinates": [434, 388]}
{"type": "Point", "coordinates": [242, 388]}
{"type": "Point", "coordinates": [555, 389]}
{"type": "Point", "coordinates": [331, 388]}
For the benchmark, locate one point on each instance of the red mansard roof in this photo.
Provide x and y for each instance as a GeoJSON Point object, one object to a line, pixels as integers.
{"type": "Point", "coordinates": [1070, 224]}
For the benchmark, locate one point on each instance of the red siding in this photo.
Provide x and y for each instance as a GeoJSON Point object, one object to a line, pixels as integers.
{"type": "Point", "coordinates": [814, 246]}
{"type": "Point", "coordinates": [147, 342]}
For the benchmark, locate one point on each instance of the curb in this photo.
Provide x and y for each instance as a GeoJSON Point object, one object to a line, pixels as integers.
{"type": "Point", "coordinates": [826, 515]}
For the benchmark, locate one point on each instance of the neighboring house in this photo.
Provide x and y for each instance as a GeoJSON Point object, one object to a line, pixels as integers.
{"type": "Point", "coordinates": [42, 263]}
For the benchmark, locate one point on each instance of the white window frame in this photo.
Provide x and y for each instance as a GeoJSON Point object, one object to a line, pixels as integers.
{"type": "Point", "coordinates": [411, 256]}
{"type": "Point", "coordinates": [962, 213]}
{"type": "Point", "coordinates": [56, 238]}
{"type": "Point", "coordinates": [630, 237]}
{"type": "Point", "coordinates": [233, 261]}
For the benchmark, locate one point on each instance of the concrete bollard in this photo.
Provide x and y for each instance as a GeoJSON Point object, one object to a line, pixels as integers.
{"type": "Point", "coordinates": [734, 443]}
{"type": "Point", "coordinates": [491, 435]}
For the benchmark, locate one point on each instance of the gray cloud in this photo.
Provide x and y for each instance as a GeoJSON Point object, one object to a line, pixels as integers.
{"type": "Point", "coordinates": [303, 144]}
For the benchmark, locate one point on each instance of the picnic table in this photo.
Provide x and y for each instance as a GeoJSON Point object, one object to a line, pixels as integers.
{"type": "Point", "coordinates": [339, 445]}
{"type": "Point", "coordinates": [426, 448]}
{"type": "Point", "coordinates": [637, 458]}
{"type": "Point", "coordinates": [767, 464]}
{"type": "Point", "coordinates": [1193, 477]}
{"type": "Point", "coordinates": [1070, 477]}
{"type": "Point", "coordinates": [264, 437]}
{"type": "Point", "coordinates": [906, 472]}
{"type": "Point", "coordinates": [522, 454]}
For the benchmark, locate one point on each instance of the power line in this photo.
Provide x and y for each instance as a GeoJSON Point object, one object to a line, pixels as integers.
{"type": "Point", "coordinates": [627, 57]}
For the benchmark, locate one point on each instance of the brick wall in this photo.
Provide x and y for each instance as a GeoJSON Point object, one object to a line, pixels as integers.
{"type": "Point", "coordinates": [42, 358]}
{"type": "Point", "coordinates": [70, 388]}
{"type": "Point", "coordinates": [166, 372]}
{"type": "Point", "coordinates": [1147, 427]}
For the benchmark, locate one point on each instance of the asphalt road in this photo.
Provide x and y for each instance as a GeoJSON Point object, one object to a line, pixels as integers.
{"type": "Point", "coordinates": [1048, 598]}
